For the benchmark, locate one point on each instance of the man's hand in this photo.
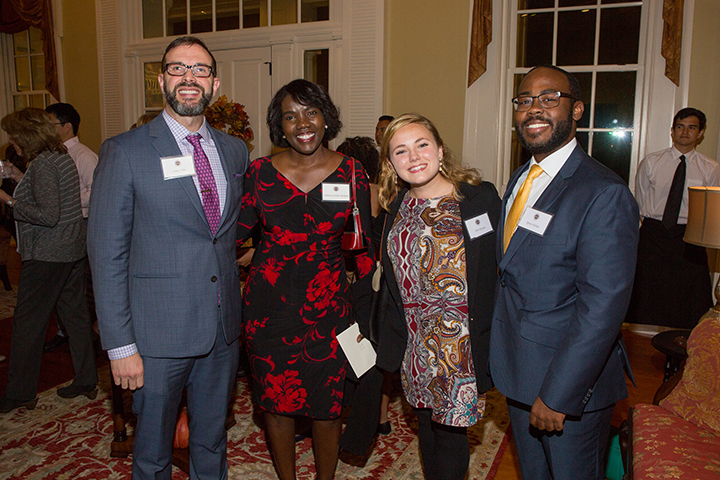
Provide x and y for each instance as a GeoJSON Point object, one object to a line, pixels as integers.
{"type": "Point", "coordinates": [543, 417]}
{"type": "Point", "coordinates": [128, 372]}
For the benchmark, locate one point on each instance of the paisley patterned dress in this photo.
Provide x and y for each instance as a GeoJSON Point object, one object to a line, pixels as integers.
{"type": "Point", "coordinates": [426, 248]}
{"type": "Point", "coordinates": [297, 297]}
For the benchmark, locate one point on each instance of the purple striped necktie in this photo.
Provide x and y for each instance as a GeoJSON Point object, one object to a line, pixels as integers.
{"type": "Point", "coordinates": [208, 188]}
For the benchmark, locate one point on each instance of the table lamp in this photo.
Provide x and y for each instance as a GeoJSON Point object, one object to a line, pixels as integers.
{"type": "Point", "coordinates": [703, 228]}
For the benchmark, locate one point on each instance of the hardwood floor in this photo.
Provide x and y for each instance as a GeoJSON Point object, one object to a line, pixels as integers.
{"type": "Point", "coordinates": [647, 365]}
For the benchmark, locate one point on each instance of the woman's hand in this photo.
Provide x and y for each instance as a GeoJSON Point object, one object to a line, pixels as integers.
{"type": "Point", "coordinates": [17, 175]}
{"type": "Point", "coordinates": [4, 197]}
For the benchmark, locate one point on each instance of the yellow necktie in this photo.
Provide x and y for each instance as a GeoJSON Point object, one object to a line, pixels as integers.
{"type": "Point", "coordinates": [519, 204]}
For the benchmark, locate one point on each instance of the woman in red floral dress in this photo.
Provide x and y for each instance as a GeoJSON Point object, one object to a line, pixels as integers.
{"type": "Point", "coordinates": [297, 298]}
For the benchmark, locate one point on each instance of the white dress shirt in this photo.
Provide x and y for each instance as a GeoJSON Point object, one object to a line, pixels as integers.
{"type": "Point", "coordinates": [85, 160]}
{"type": "Point", "coordinates": [550, 165]}
{"type": "Point", "coordinates": [655, 175]}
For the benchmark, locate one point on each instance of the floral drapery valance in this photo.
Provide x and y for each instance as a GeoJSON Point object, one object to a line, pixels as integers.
{"type": "Point", "coordinates": [19, 15]}
{"type": "Point", "coordinates": [672, 38]}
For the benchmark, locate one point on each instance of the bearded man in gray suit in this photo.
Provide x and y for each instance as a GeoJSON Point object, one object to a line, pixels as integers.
{"type": "Point", "coordinates": [161, 242]}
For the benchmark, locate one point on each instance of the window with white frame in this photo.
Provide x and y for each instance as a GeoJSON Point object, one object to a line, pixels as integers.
{"type": "Point", "coordinates": [165, 18]}
{"type": "Point", "coordinates": [599, 42]}
{"type": "Point", "coordinates": [27, 87]}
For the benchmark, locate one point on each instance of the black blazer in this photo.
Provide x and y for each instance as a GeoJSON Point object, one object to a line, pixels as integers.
{"type": "Point", "coordinates": [481, 271]}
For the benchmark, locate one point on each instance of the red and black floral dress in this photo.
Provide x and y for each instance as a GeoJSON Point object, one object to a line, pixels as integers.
{"type": "Point", "coordinates": [297, 298]}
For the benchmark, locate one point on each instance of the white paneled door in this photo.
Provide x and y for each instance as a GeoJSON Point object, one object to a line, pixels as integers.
{"type": "Point", "coordinates": [245, 78]}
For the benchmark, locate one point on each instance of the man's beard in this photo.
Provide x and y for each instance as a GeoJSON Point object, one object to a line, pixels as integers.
{"type": "Point", "coordinates": [183, 109]}
{"type": "Point", "coordinates": [560, 134]}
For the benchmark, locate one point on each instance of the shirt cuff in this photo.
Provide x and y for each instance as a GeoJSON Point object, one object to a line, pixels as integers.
{"type": "Point", "coordinates": [122, 352]}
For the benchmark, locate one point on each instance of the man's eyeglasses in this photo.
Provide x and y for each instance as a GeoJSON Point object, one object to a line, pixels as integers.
{"type": "Point", "coordinates": [178, 69]}
{"type": "Point", "coordinates": [523, 103]}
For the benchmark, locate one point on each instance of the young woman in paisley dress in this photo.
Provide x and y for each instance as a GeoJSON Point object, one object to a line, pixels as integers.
{"type": "Point", "coordinates": [438, 255]}
{"type": "Point", "coordinates": [297, 297]}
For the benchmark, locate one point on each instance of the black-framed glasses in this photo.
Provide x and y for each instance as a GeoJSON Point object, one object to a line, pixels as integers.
{"type": "Point", "coordinates": [178, 69]}
{"type": "Point", "coordinates": [522, 103]}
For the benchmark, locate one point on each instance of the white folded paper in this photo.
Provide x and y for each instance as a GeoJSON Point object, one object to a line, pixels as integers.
{"type": "Point", "coordinates": [360, 355]}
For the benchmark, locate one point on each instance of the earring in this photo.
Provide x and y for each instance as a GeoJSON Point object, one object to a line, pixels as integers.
{"type": "Point", "coordinates": [325, 127]}
{"type": "Point", "coordinates": [441, 166]}
{"type": "Point", "coordinates": [283, 137]}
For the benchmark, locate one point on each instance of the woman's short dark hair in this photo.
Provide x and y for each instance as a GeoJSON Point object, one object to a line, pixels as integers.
{"type": "Point", "coordinates": [33, 131]}
{"type": "Point", "coordinates": [308, 94]}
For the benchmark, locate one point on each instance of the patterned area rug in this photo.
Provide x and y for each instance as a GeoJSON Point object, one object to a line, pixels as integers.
{"type": "Point", "coordinates": [70, 439]}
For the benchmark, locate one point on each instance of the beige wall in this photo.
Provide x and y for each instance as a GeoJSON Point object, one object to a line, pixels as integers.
{"type": "Point", "coordinates": [80, 68]}
{"type": "Point", "coordinates": [705, 71]}
{"type": "Point", "coordinates": [426, 63]}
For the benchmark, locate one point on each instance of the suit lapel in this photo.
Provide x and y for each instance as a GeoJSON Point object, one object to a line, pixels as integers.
{"type": "Point", "coordinates": [166, 146]}
{"type": "Point", "coordinates": [471, 207]}
{"type": "Point", "coordinates": [545, 203]}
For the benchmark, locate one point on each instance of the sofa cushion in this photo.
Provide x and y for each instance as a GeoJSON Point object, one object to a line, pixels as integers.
{"type": "Point", "coordinates": [697, 397]}
{"type": "Point", "coordinates": [665, 446]}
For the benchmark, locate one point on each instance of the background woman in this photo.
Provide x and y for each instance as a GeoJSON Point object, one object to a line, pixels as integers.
{"type": "Point", "coordinates": [51, 242]}
{"type": "Point", "coordinates": [438, 256]}
{"type": "Point", "coordinates": [297, 298]}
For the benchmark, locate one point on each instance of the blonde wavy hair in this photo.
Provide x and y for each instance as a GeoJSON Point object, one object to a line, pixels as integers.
{"type": "Point", "coordinates": [33, 131]}
{"type": "Point", "coordinates": [452, 168]}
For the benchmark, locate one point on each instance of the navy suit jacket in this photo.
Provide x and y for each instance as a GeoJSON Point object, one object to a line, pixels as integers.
{"type": "Point", "coordinates": [561, 297]}
{"type": "Point", "coordinates": [162, 280]}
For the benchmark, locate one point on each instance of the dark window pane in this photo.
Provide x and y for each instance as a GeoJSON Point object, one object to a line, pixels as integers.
{"type": "Point", "coordinates": [585, 80]}
{"type": "Point", "coordinates": [23, 83]}
{"type": "Point", "coordinates": [284, 12]}
{"type": "Point", "coordinates": [530, 4]}
{"type": "Point", "coordinates": [255, 13]}
{"type": "Point", "coordinates": [314, 10]}
{"type": "Point", "coordinates": [619, 35]}
{"type": "Point", "coordinates": [200, 16]}
{"type": "Point", "coordinates": [176, 17]}
{"type": "Point", "coordinates": [613, 149]}
{"type": "Point", "coordinates": [36, 45]}
{"type": "Point", "coordinates": [582, 138]}
{"type": "Point", "coordinates": [576, 3]}
{"type": "Point", "coordinates": [535, 38]}
{"type": "Point", "coordinates": [20, 43]}
{"type": "Point", "coordinates": [37, 100]}
{"type": "Point", "coordinates": [317, 67]}
{"type": "Point", "coordinates": [576, 37]}
{"type": "Point", "coordinates": [615, 100]}
{"type": "Point", "coordinates": [37, 62]}
{"type": "Point", "coordinates": [152, 18]}
{"type": "Point", "coordinates": [228, 15]}
{"type": "Point", "coordinates": [19, 102]}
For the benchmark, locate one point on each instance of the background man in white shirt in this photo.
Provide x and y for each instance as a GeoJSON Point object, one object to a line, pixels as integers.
{"type": "Point", "coordinates": [672, 282]}
{"type": "Point", "coordinates": [67, 122]}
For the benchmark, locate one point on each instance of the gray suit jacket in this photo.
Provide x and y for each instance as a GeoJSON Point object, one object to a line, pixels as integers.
{"type": "Point", "coordinates": [161, 279]}
{"type": "Point", "coordinates": [561, 297]}
{"type": "Point", "coordinates": [47, 211]}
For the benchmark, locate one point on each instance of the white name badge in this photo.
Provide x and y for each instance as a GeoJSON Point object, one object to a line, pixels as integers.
{"type": "Point", "coordinates": [177, 167]}
{"type": "Point", "coordinates": [478, 226]}
{"type": "Point", "coordinates": [335, 192]}
{"type": "Point", "coordinates": [535, 221]}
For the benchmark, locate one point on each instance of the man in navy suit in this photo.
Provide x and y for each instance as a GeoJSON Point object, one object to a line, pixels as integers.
{"type": "Point", "coordinates": [161, 241]}
{"type": "Point", "coordinates": [566, 250]}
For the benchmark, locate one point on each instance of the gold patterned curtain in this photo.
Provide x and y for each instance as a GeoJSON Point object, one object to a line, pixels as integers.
{"type": "Point", "coordinates": [19, 15]}
{"type": "Point", "coordinates": [672, 38]}
{"type": "Point", "coordinates": [480, 38]}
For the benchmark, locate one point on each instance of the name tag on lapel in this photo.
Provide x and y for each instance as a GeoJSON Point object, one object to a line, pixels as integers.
{"type": "Point", "coordinates": [335, 192]}
{"type": "Point", "coordinates": [535, 221]}
{"type": "Point", "coordinates": [478, 226]}
{"type": "Point", "coordinates": [177, 167]}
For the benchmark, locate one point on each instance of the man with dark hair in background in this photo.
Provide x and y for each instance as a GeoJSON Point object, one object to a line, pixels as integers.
{"type": "Point", "coordinates": [382, 124]}
{"type": "Point", "coordinates": [672, 282]}
{"type": "Point", "coordinates": [67, 123]}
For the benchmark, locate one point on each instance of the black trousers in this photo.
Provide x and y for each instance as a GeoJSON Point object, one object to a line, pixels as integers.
{"type": "Point", "coordinates": [445, 450]}
{"type": "Point", "coordinates": [672, 280]}
{"type": "Point", "coordinates": [44, 286]}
